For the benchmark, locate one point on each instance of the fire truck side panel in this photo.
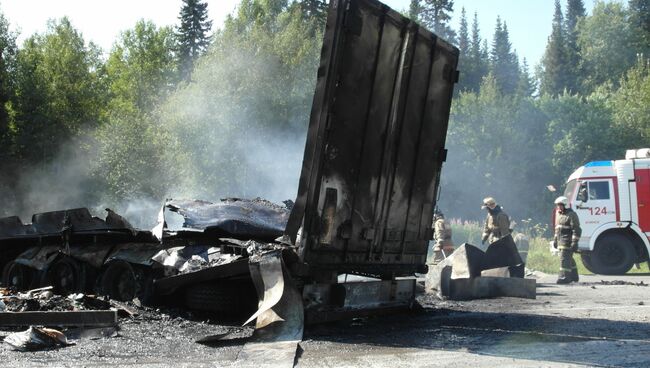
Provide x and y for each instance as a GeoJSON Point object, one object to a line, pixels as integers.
{"type": "Point", "coordinates": [624, 170]}
{"type": "Point", "coordinates": [642, 176]}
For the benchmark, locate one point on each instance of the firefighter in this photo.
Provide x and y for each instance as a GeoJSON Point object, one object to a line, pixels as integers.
{"type": "Point", "coordinates": [497, 222]}
{"type": "Point", "coordinates": [442, 235]}
{"type": "Point", "coordinates": [567, 234]}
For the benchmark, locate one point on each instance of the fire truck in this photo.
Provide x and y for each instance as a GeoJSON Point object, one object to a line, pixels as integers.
{"type": "Point", "coordinates": [612, 200]}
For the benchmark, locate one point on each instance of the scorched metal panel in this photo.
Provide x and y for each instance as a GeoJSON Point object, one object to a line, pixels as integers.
{"type": "Point", "coordinates": [375, 143]}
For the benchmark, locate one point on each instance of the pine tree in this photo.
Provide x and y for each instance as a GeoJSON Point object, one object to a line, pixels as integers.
{"type": "Point", "coordinates": [504, 63]}
{"type": "Point", "coordinates": [476, 66]}
{"type": "Point", "coordinates": [554, 62]}
{"type": "Point", "coordinates": [463, 35]}
{"type": "Point", "coordinates": [575, 11]}
{"type": "Point", "coordinates": [465, 62]}
{"type": "Point", "coordinates": [526, 86]}
{"type": "Point", "coordinates": [435, 15]}
{"type": "Point", "coordinates": [314, 9]}
{"type": "Point", "coordinates": [192, 34]}
{"type": "Point", "coordinates": [415, 8]}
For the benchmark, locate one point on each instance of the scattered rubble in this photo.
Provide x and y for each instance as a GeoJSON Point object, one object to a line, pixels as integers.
{"type": "Point", "coordinates": [620, 282]}
{"type": "Point", "coordinates": [470, 273]}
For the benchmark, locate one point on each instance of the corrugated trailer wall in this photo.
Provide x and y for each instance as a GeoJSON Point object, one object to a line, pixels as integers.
{"type": "Point", "coordinates": [375, 143]}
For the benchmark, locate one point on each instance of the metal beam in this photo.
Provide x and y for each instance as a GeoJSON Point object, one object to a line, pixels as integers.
{"type": "Point", "coordinates": [55, 318]}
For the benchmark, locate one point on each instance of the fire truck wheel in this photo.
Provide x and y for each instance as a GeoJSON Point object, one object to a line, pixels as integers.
{"type": "Point", "coordinates": [17, 276]}
{"type": "Point", "coordinates": [119, 281]}
{"type": "Point", "coordinates": [66, 276]}
{"type": "Point", "coordinates": [613, 255]}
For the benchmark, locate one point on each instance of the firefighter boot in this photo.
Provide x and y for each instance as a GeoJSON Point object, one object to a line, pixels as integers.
{"type": "Point", "coordinates": [563, 280]}
{"type": "Point", "coordinates": [574, 275]}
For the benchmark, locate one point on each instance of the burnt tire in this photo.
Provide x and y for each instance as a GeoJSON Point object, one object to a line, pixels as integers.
{"type": "Point", "coordinates": [613, 254]}
{"type": "Point", "coordinates": [226, 296]}
{"type": "Point", "coordinates": [18, 276]}
{"type": "Point", "coordinates": [118, 281]}
{"type": "Point", "coordinates": [66, 276]}
{"type": "Point", "coordinates": [124, 281]}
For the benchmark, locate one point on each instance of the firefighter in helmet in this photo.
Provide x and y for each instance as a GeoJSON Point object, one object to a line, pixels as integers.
{"type": "Point", "coordinates": [567, 234]}
{"type": "Point", "coordinates": [497, 222]}
{"type": "Point", "coordinates": [443, 246]}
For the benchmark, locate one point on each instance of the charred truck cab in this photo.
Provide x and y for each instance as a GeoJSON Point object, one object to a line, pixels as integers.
{"type": "Point", "coordinates": [612, 200]}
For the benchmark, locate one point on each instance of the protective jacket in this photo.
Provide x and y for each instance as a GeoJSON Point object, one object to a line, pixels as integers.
{"type": "Point", "coordinates": [497, 225]}
{"type": "Point", "coordinates": [442, 235]}
{"type": "Point", "coordinates": [567, 229]}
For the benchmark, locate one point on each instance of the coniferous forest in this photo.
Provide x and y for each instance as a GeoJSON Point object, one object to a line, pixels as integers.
{"type": "Point", "coordinates": [202, 111]}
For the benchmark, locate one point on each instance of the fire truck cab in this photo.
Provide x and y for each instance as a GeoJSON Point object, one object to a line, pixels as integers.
{"type": "Point", "coordinates": [612, 200]}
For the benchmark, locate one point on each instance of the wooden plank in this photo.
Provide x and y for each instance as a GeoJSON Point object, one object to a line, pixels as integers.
{"type": "Point", "coordinates": [93, 318]}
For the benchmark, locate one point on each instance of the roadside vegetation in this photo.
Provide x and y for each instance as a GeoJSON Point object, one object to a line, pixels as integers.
{"type": "Point", "coordinates": [206, 111]}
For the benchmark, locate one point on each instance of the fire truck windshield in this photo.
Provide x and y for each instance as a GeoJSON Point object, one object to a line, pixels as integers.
{"type": "Point", "coordinates": [570, 188]}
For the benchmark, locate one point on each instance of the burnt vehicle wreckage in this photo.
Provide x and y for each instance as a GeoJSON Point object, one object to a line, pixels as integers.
{"type": "Point", "coordinates": [367, 190]}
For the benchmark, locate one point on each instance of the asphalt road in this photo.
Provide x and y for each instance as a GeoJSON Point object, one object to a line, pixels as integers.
{"type": "Point", "coordinates": [587, 324]}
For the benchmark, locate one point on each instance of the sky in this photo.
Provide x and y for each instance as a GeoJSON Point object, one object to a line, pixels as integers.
{"type": "Point", "coordinates": [101, 21]}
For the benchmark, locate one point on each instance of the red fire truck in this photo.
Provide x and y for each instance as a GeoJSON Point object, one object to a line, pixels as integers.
{"type": "Point", "coordinates": [612, 200]}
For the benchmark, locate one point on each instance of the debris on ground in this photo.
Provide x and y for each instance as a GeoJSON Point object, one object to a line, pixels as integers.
{"type": "Point", "coordinates": [470, 273]}
{"type": "Point", "coordinates": [35, 338]}
{"type": "Point", "coordinates": [621, 282]}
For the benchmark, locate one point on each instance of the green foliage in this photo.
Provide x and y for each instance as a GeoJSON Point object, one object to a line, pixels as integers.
{"type": "Point", "coordinates": [475, 64]}
{"type": "Point", "coordinates": [7, 73]}
{"type": "Point", "coordinates": [640, 22]}
{"type": "Point", "coordinates": [139, 129]}
{"type": "Point", "coordinates": [133, 157]}
{"type": "Point", "coordinates": [435, 15]}
{"type": "Point", "coordinates": [631, 106]}
{"type": "Point", "coordinates": [141, 68]}
{"type": "Point", "coordinates": [59, 91]}
{"type": "Point", "coordinates": [574, 14]}
{"type": "Point", "coordinates": [504, 64]}
{"type": "Point", "coordinates": [606, 41]}
{"type": "Point", "coordinates": [555, 61]}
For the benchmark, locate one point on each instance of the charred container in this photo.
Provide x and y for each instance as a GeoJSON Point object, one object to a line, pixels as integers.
{"type": "Point", "coordinates": [375, 144]}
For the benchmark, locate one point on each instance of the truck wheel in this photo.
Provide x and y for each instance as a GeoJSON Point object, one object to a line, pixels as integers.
{"type": "Point", "coordinates": [17, 276]}
{"type": "Point", "coordinates": [66, 276]}
{"type": "Point", "coordinates": [586, 261]}
{"type": "Point", "coordinates": [118, 281]}
{"type": "Point", "coordinates": [613, 255]}
{"type": "Point", "coordinates": [226, 296]}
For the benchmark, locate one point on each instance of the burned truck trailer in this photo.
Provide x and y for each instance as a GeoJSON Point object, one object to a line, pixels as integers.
{"type": "Point", "coordinates": [370, 173]}
{"type": "Point", "coordinates": [375, 143]}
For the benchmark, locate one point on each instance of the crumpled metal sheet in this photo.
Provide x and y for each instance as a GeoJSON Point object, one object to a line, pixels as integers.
{"type": "Point", "coordinates": [280, 317]}
{"type": "Point", "coordinates": [36, 339]}
{"type": "Point", "coordinates": [138, 253]}
{"type": "Point", "coordinates": [12, 226]}
{"type": "Point", "coordinates": [38, 257]}
{"type": "Point", "coordinates": [93, 254]}
{"type": "Point", "coordinates": [231, 217]}
{"type": "Point", "coordinates": [73, 221]}
{"type": "Point", "coordinates": [192, 258]}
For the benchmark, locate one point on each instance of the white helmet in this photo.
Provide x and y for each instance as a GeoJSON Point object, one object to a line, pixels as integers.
{"type": "Point", "coordinates": [562, 200]}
